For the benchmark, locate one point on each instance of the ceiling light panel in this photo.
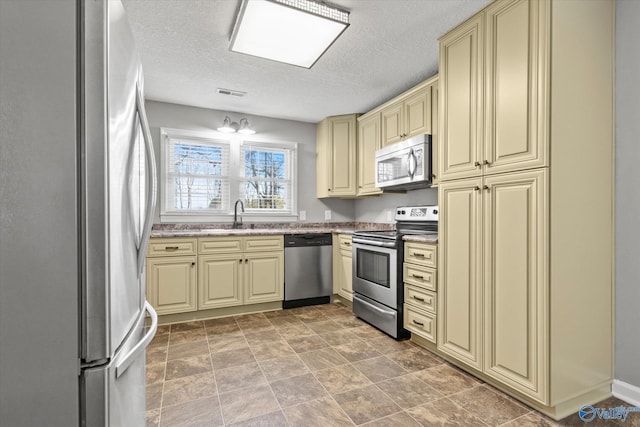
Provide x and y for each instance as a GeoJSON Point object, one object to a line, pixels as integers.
{"type": "Point", "coordinates": [295, 32]}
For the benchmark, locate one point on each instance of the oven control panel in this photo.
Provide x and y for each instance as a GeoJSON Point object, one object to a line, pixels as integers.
{"type": "Point", "coordinates": [417, 213]}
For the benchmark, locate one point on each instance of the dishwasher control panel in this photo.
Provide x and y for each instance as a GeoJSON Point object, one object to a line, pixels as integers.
{"type": "Point", "coordinates": [298, 240]}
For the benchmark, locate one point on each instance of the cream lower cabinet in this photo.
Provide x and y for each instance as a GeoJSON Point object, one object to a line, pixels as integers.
{"type": "Point", "coordinates": [263, 277]}
{"type": "Point", "coordinates": [240, 270]}
{"type": "Point", "coordinates": [220, 278]}
{"type": "Point", "coordinates": [172, 275]}
{"type": "Point", "coordinates": [342, 266]}
{"type": "Point", "coordinates": [419, 277]}
{"type": "Point", "coordinates": [492, 305]}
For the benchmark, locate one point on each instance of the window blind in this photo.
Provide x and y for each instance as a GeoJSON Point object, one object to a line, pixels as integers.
{"type": "Point", "coordinates": [197, 175]}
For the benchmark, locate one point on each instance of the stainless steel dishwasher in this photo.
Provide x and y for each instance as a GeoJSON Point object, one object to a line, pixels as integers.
{"type": "Point", "coordinates": [307, 269]}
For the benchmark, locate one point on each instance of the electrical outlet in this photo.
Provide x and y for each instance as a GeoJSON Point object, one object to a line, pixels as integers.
{"type": "Point", "coordinates": [302, 215]}
{"type": "Point", "coordinates": [327, 215]}
{"type": "Point", "coordinates": [389, 215]}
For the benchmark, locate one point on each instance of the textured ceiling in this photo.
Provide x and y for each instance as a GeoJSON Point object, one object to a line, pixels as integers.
{"type": "Point", "coordinates": [390, 46]}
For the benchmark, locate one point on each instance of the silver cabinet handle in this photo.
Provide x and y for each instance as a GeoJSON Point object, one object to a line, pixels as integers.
{"type": "Point", "coordinates": [153, 180]}
{"type": "Point", "coordinates": [130, 357]}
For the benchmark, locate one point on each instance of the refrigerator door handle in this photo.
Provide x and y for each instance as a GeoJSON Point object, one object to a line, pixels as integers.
{"type": "Point", "coordinates": [153, 180]}
{"type": "Point", "coordinates": [130, 357]}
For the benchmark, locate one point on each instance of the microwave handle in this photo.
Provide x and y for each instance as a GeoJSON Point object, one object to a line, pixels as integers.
{"type": "Point", "coordinates": [411, 159]}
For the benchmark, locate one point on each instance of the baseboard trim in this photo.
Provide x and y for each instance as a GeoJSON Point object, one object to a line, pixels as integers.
{"type": "Point", "coordinates": [627, 392]}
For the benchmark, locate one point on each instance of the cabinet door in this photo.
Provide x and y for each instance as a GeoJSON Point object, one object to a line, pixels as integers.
{"type": "Point", "coordinates": [171, 284]}
{"type": "Point", "coordinates": [368, 143]}
{"type": "Point", "coordinates": [460, 271]}
{"type": "Point", "coordinates": [461, 116]}
{"type": "Point", "coordinates": [219, 281]}
{"type": "Point", "coordinates": [515, 277]}
{"type": "Point", "coordinates": [263, 277]}
{"type": "Point", "coordinates": [342, 136]}
{"type": "Point", "coordinates": [392, 123]}
{"type": "Point", "coordinates": [435, 171]}
{"type": "Point", "coordinates": [346, 266]}
{"type": "Point", "coordinates": [417, 113]}
{"type": "Point", "coordinates": [515, 70]}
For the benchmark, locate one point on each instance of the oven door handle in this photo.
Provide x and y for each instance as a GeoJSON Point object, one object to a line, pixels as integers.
{"type": "Point", "coordinates": [385, 312]}
{"type": "Point", "coordinates": [373, 243]}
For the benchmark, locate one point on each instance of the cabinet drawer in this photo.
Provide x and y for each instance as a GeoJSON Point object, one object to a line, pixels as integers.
{"type": "Point", "coordinates": [171, 247]}
{"type": "Point", "coordinates": [420, 298]}
{"type": "Point", "coordinates": [263, 243]}
{"type": "Point", "coordinates": [421, 253]}
{"type": "Point", "coordinates": [420, 322]}
{"type": "Point", "coordinates": [419, 276]}
{"type": "Point", "coordinates": [345, 241]}
{"type": "Point", "coordinates": [216, 245]}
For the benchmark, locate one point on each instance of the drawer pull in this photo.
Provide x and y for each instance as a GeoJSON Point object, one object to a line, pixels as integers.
{"type": "Point", "coordinates": [417, 323]}
{"type": "Point", "coordinates": [417, 276]}
{"type": "Point", "coordinates": [347, 243]}
{"type": "Point", "coordinates": [421, 255]}
{"type": "Point", "coordinates": [171, 248]}
{"type": "Point", "coordinates": [193, 264]}
{"type": "Point", "coordinates": [418, 298]}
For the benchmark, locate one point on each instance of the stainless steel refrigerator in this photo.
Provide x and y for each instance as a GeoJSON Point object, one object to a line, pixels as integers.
{"type": "Point", "coordinates": [77, 199]}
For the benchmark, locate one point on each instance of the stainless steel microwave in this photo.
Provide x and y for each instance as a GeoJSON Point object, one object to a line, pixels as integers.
{"type": "Point", "coordinates": [404, 165]}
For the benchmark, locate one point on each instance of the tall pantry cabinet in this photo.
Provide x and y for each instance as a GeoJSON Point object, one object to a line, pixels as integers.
{"type": "Point", "coordinates": [526, 200]}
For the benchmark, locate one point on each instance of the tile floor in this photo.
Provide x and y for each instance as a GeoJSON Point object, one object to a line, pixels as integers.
{"type": "Point", "coordinates": [316, 366]}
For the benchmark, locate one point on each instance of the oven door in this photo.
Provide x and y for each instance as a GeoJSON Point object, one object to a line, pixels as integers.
{"type": "Point", "coordinates": [375, 273]}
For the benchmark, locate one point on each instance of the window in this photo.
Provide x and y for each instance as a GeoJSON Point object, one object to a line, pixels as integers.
{"type": "Point", "coordinates": [266, 182]}
{"type": "Point", "coordinates": [203, 175]}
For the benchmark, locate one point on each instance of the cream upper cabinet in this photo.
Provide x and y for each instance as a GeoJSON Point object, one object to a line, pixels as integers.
{"type": "Point", "coordinates": [406, 117]}
{"type": "Point", "coordinates": [515, 280]}
{"type": "Point", "coordinates": [494, 89]}
{"type": "Point", "coordinates": [368, 143]}
{"type": "Point", "coordinates": [336, 141]}
{"type": "Point", "coordinates": [515, 86]}
{"type": "Point", "coordinates": [459, 270]}
{"type": "Point", "coordinates": [460, 118]}
{"type": "Point", "coordinates": [392, 123]}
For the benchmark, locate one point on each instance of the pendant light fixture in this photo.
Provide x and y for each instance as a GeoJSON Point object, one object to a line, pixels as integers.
{"type": "Point", "coordinates": [296, 32]}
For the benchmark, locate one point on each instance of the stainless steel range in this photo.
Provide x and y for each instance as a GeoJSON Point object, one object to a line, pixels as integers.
{"type": "Point", "coordinates": [377, 268]}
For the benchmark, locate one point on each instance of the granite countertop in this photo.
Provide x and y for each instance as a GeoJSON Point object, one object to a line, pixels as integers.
{"type": "Point", "coordinates": [429, 238]}
{"type": "Point", "coordinates": [261, 229]}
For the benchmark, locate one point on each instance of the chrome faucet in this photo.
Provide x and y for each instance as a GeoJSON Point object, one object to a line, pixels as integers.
{"type": "Point", "coordinates": [237, 224]}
